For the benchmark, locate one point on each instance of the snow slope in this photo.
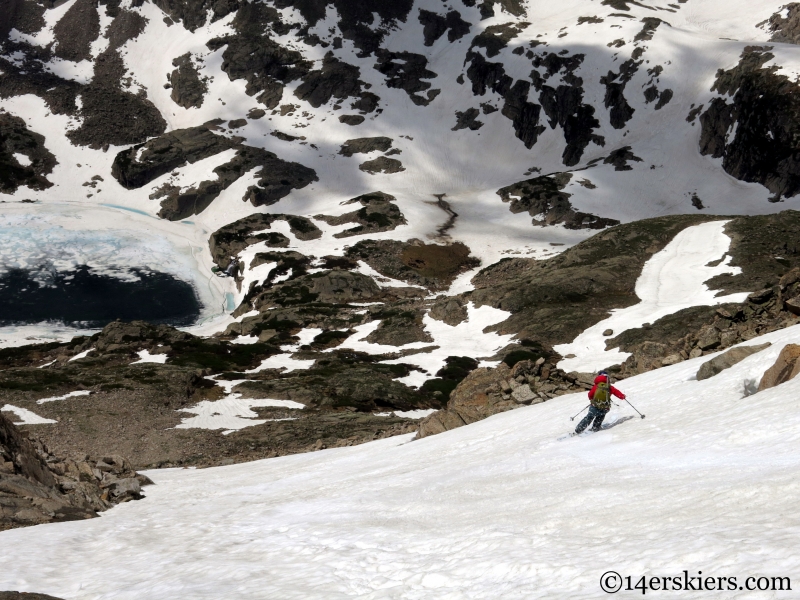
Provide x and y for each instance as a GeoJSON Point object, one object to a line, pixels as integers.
{"type": "Point", "coordinates": [697, 38]}
{"type": "Point", "coordinates": [504, 508]}
{"type": "Point", "coordinates": [673, 279]}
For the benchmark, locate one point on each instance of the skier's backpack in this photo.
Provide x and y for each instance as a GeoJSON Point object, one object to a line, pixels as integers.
{"type": "Point", "coordinates": [602, 396]}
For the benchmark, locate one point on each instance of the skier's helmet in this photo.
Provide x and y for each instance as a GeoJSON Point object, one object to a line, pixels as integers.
{"type": "Point", "coordinates": [603, 373]}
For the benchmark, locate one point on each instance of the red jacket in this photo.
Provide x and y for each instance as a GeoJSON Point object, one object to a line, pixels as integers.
{"type": "Point", "coordinates": [600, 379]}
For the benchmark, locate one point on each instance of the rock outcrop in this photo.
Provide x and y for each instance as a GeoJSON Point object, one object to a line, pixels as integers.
{"type": "Point", "coordinates": [762, 107]}
{"type": "Point", "coordinates": [786, 368]}
{"type": "Point", "coordinates": [37, 487]}
{"type": "Point", "coordinates": [546, 201]}
{"type": "Point", "coordinates": [489, 391]}
{"type": "Point", "coordinates": [727, 359]}
{"type": "Point", "coordinates": [24, 159]}
{"type": "Point", "coordinates": [141, 164]}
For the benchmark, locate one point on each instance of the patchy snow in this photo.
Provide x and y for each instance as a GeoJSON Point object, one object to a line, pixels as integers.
{"type": "Point", "coordinates": [81, 355]}
{"type": "Point", "coordinates": [502, 508]}
{"type": "Point", "coordinates": [23, 159]}
{"type": "Point", "coordinates": [27, 417]}
{"type": "Point", "coordinates": [231, 413]}
{"type": "Point", "coordinates": [672, 280]}
{"type": "Point", "coordinates": [382, 280]}
{"type": "Point", "coordinates": [283, 361]}
{"type": "Point", "coordinates": [13, 336]}
{"type": "Point", "coordinates": [415, 414]}
{"type": "Point", "coordinates": [146, 357]}
{"type": "Point", "coordinates": [65, 396]}
{"type": "Point", "coordinates": [245, 339]}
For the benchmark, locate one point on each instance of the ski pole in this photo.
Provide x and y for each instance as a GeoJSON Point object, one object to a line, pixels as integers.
{"type": "Point", "coordinates": [583, 409]}
{"type": "Point", "coordinates": [633, 407]}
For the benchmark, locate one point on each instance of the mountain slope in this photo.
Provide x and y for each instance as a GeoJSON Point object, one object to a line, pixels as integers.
{"type": "Point", "coordinates": [704, 483]}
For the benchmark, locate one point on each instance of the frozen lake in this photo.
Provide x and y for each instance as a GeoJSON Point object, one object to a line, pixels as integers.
{"type": "Point", "coordinates": [65, 267]}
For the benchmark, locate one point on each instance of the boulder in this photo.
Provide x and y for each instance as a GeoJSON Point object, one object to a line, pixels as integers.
{"type": "Point", "coordinates": [37, 487]}
{"type": "Point", "coordinates": [727, 359]}
{"type": "Point", "coordinates": [761, 296]}
{"type": "Point", "coordinates": [478, 396]}
{"type": "Point", "coordinates": [709, 339]}
{"type": "Point", "coordinates": [786, 368]}
{"type": "Point", "coordinates": [793, 305]}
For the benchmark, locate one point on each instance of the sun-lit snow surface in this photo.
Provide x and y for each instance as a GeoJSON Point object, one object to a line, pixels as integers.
{"type": "Point", "coordinates": [467, 166]}
{"type": "Point", "coordinates": [146, 357]}
{"type": "Point", "coordinates": [231, 413]}
{"type": "Point", "coordinates": [673, 279]}
{"type": "Point", "coordinates": [65, 396]}
{"type": "Point", "coordinates": [26, 417]}
{"type": "Point", "coordinates": [465, 339]}
{"type": "Point", "coordinates": [504, 508]}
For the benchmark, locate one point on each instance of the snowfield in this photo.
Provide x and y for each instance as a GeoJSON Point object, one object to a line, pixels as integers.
{"type": "Point", "coordinates": [672, 280]}
{"type": "Point", "coordinates": [505, 508]}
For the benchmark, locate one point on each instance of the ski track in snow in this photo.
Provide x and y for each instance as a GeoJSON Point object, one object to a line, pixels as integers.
{"type": "Point", "coordinates": [501, 508]}
{"type": "Point", "coordinates": [672, 280]}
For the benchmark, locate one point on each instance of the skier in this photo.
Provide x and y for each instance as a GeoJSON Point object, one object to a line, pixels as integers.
{"type": "Point", "coordinates": [600, 397]}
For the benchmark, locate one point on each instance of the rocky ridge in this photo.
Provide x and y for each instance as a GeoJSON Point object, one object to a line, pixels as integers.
{"type": "Point", "coordinates": [37, 487]}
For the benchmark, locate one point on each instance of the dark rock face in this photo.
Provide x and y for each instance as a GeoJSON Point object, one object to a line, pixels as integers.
{"type": "Point", "coordinates": [564, 105]}
{"type": "Point", "coordinates": [367, 103]}
{"type": "Point", "coordinates": [36, 487]}
{"type": "Point", "coordinates": [165, 153]}
{"type": "Point", "coordinates": [468, 120]}
{"type": "Point", "coordinates": [365, 145]}
{"type": "Point", "coordinates": [192, 13]}
{"type": "Point", "coordinates": [620, 111]}
{"type": "Point", "coordinates": [620, 157]}
{"type": "Point", "coordinates": [161, 155]}
{"type": "Point", "coordinates": [544, 199]}
{"type": "Point", "coordinates": [25, 17]}
{"type": "Point", "coordinates": [649, 28]}
{"type": "Point", "coordinates": [434, 266]}
{"type": "Point", "coordinates": [351, 120]}
{"type": "Point", "coordinates": [765, 108]}
{"type": "Point", "coordinates": [786, 29]}
{"type": "Point", "coordinates": [336, 79]}
{"type": "Point", "coordinates": [76, 31]}
{"type": "Point", "coordinates": [382, 164]}
{"type": "Point", "coordinates": [341, 380]}
{"type": "Point", "coordinates": [435, 26]}
{"type": "Point", "coordinates": [15, 138]}
{"type": "Point", "coordinates": [110, 113]}
{"type": "Point", "coordinates": [253, 55]}
{"type": "Point", "coordinates": [378, 214]}
{"type": "Point", "coordinates": [235, 237]}
{"type": "Point", "coordinates": [188, 90]}
{"type": "Point", "coordinates": [496, 37]}
{"type": "Point", "coordinates": [406, 71]}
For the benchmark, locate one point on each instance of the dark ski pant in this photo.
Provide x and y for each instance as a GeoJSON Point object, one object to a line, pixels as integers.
{"type": "Point", "coordinates": [596, 415]}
